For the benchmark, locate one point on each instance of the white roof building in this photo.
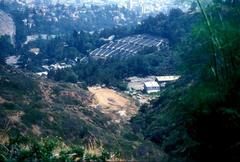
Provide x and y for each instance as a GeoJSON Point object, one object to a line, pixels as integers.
{"type": "Point", "coordinates": [44, 73]}
{"type": "Point", "coordinates": [151, 87]}
{"type": "Point", "coordinates": [167, 78]}
{"type": "Point", "coordinates": [60, 66]}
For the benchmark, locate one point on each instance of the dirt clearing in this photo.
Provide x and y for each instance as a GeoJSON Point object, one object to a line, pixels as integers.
{"type": "Point", "coordinates": [119, 106]}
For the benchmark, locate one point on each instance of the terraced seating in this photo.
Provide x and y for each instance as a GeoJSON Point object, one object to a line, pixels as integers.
{"type": "Point", "coordinates": [127, 46]}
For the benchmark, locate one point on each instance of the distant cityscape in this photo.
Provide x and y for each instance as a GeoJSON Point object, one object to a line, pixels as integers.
{"type": "Point", "coordinates": [140, 6]}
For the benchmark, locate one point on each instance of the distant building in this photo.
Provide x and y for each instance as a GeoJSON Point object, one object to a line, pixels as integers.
{"type": "Point", "coordinates": [162, 80]}
{"type": "Point", "coordinates": [31, 38]}
{"type": "Point", "coordinates": [44, 73]}
{"type": "Point", "coordinates": [151, 87]}
{"type": "Point", "coordinates": [137, 83]}
{"type": "Point", "coordinates": [60, 66]}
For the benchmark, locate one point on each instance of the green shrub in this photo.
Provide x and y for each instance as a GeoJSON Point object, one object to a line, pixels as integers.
{"type": "Point", "coordinates": [33, 116]}
{"type": "Point", "coordinates": [9, 106]}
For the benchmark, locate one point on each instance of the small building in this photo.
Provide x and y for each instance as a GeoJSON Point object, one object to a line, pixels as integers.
{"type": "Point", "coordinates": [151, 87]}
{"type": "Point", "coordinates": [162, 80]}
{"type": "Point", "coordinates": [44, 74]}
{"type": "Point", "coordinates": [60, 66]}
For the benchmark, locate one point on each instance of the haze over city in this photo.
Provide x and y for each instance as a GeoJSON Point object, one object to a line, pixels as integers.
{"type": "Point", "coordinates": [143, 6]}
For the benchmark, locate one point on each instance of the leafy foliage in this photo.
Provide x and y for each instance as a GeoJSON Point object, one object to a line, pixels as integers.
{"type": "Point", "coordinates": [111, 72]}
{"type": "Point", "coordinates": [47, 150]}
{"type": "Point", "coordinates": [197, 119]}
{"type": "Point", "coordinates": [6, 48]}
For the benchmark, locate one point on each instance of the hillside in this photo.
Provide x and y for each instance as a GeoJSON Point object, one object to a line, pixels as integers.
{"type": "Point", "coordinates": [197, 119]}
{"type": "Point", "coordinates": [65, 97]}
{"type": "Point", "coordinates": [128, 46]}
{"type": "Point", "coordinates": [7, 26]}
{"type": "Point", "coordinates": [43, 108]}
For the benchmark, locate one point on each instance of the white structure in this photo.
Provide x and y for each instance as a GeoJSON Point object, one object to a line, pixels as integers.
{"type": "Point", "coordinates": [31, 38]}
{"type": "Point", "coordinates": [162, 80]}
{"type": "Point", "coordinates": [44, 73]}
{"type": "Point", "coordinates": [60, 66]}
{"type": "Point", "coordinates": [151, 87]}
{"type": "Point", "coordinates": [137, 84]}
{"type": "Point", "coordinates": [167, 78]}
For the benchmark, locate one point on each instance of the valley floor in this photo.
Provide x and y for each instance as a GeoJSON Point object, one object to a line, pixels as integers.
{"type": "Point", "coordinates": [118, 106]}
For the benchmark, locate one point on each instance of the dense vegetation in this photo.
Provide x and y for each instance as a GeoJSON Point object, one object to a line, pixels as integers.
{"type": "Point", "coordinates": [60, 19]}
{"type": "Point", "coordinates": [6, 48]}
{"type": "Point", "coordinates": [198, 118]}
{"type": "Point", "coordinates": [195, 119]}
{"type": "Point", "coordinates": [21, 148]}
{"type": "Point", "coordinates": [112, 72]}
{"type": "Point", "coordinates": [76, 46]}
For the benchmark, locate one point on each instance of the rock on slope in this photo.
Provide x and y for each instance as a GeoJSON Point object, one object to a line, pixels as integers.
{"type": "Point", "coordinates": [7, 25]}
